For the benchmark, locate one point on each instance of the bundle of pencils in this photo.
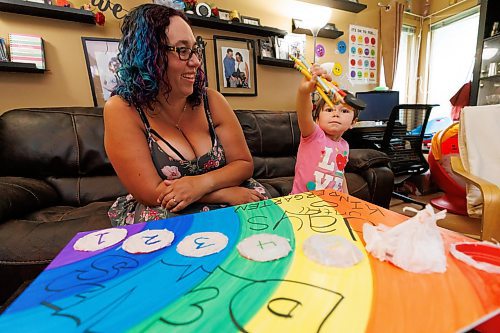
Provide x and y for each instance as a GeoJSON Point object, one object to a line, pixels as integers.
{"type": "Point", "coordinates": [303, 66]}
{"type": "Point", "coordinates": [326, 88]}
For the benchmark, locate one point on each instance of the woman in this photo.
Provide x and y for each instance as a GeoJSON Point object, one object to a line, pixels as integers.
{"type": "Point", "coordinates": [241, 70]}
{"type": "Point", "coordinates": [176, 146]}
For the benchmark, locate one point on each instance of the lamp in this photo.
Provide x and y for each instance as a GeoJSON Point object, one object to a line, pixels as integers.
{"type": "Point", "coordinates": [315, 25]}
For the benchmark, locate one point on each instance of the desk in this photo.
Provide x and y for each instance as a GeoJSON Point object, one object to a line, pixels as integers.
{"type": "Point", "coordinates": [362, 136]}
{"type": "Point", "coordinates": [112, 291]}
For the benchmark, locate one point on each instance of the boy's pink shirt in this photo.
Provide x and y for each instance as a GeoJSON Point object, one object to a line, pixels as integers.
{"type": "Point", "coordinates": [320, 160]}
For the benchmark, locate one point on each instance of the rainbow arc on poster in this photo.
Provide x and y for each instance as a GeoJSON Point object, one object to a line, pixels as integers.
{"type": "Point", "coordinates": [114, 291]}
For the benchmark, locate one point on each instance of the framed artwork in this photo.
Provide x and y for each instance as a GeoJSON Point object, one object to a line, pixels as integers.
{"type": "Point", "coordinates": [101, 57]}
{"type": "Point", "coordinates": [235, 66]}
{"type": "Point", "coordinates": [250, 20]}
{"type": "Point", "coordinates": [266, 48]}
{"type": "Point", "coordinates": [224, 14]}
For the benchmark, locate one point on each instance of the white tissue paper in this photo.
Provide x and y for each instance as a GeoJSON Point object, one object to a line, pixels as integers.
{"type": "Point", "coordinates": [414, 245]}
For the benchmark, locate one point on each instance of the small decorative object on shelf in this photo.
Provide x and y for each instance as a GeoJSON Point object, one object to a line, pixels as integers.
{"type": "Point", "coordinates": [63, 3]}
{"type": "Point", "coordinates": [234, 16]}
{"type": "Point", "coordinates": [250, 20]}
{"type": "Point", "coordinates": [100, 19]}
{"type": "Point", "coordinates": [215, 11]}
{"type": "Point", "coordinates": [27, 49]}
{"type": "Point", "coordinates": [224, 14]}
{"type": "Point", "coordinates": [175, 4]}
{"type": "Point", "coordinates": [190, 6]}
{"type": "Point", "coordinates": [203, 9]}
{"type": "Point", "coordinates": [3, 50]}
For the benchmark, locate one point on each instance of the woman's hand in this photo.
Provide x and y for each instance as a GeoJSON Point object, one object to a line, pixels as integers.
{"type": "Point", "coordinates": [237, 195]}
{"type": "Point", "coordinates": [180, 193]}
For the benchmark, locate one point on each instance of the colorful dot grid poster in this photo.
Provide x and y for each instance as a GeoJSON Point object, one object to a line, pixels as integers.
{"type": "Point", "coordinates": [363, 45]}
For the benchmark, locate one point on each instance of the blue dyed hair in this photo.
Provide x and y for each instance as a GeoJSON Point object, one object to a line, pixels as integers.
{"type": "Point", "coordinates": [143, 57]}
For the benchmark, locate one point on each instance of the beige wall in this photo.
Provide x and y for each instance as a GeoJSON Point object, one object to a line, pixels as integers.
{"type": "Point", "coordinates": [66, 82]}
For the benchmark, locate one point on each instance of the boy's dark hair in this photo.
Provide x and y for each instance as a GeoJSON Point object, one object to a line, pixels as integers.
{"type": "Point", "coordinates": [320, 103]}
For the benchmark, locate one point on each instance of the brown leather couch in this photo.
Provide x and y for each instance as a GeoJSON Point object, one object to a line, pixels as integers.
{"type": "Point", "coordinates": [56, 180]}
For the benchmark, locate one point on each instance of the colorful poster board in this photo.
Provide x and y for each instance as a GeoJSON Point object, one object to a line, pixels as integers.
{"type": "Point", "coordinates": [363, 48]}
{"type": "Point", "coordinates": [111, 290]}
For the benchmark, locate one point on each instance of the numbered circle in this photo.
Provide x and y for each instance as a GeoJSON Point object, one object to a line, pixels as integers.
{"type": "Point", "coordinates": [264, 247]}
{"type": "Point", "coordinates": [202, 244]}
{"type": "Point", "coordinates": [100, 239]}
{"type": "Point", "coordinates": [148, 241]}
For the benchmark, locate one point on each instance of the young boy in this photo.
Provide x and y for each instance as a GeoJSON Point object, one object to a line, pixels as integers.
{"type": "Point", "coordinates": [323, 153]}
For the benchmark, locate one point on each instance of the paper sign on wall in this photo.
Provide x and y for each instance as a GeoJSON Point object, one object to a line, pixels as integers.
{"type": "Point", "coordinates": [363, 45]}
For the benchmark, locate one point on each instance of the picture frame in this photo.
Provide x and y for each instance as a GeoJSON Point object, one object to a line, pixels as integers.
{"type": "Point", "coordinates": [266, 48]}
{"type": "Point", "coordinates": [102, 64]}
{"type": "Point", "coordinates": [240, 80]}
{"type": "Point", "coordinates": [250, 20]}
{"type": "Point", "coordinates": [224, 14]}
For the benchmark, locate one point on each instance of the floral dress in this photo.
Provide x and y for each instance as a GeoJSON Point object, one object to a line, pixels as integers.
{"type": "Point", "coordinates": [126, 210]}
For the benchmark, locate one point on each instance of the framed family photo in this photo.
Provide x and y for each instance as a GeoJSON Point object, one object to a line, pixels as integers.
{"type": "Point", "coordinates": [235, 65]}
{"type": "Point", "coordinates": [101, 57]}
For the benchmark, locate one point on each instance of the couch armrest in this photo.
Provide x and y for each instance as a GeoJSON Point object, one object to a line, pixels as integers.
{"type": "Point", "coordinates": [20, 196]}
{"type": "Point", "coordinates": [362, 159]}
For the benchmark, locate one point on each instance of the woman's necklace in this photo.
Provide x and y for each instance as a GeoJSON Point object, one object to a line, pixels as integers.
{"type": "Point", "coordinates": [180, 117]}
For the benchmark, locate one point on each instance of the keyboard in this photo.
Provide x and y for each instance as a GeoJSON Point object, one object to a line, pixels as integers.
{"type": "Point", "coordinates": [369, 123]}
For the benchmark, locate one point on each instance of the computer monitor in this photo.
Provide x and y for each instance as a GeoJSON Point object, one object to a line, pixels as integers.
{"type": "Point", "coordinates": [379, 104]}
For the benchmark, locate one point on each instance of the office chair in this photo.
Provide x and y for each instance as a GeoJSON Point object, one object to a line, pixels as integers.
{"type": "Point", "coordinates": [405, 148]}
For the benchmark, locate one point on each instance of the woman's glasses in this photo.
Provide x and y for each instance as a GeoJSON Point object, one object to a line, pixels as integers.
{"type": "Point", "coordinates": [185, 53]}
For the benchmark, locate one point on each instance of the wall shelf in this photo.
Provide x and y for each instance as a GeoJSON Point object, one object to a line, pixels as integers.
{"type": "Point", "coordinates": [48, 11]}
{"type": "Point", "coordinates": [9, 66]}
{"type": "Point", "coordinates": [218, 24]}
{"type": "Point", "coordinates": [346, 5]}
{"type": "Point", "coordinates": [275, 62]}
{"type": "Point", "coordinates": [328, 31]}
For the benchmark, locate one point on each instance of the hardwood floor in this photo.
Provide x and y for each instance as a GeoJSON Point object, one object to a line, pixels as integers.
{"type": "Point", "coordinates": [464, 224]}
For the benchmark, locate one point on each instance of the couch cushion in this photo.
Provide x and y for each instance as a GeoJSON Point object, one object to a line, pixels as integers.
{"type": "Point", "coordinates": [62, 145]}
{"type": "Point", "coordinates": [273, 139]}
{"type": "Point", "coordinates": [277, 187]}
{"type": "Point", "coordinates": [19, 195]}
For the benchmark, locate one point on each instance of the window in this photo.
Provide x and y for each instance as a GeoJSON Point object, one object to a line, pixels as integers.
{"type": "Point", "coordinates": [451, 60]}
{"type": "Point", "coordinates": [405, 78]}
{"type": "Point", "coordinates": [406, 72]}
